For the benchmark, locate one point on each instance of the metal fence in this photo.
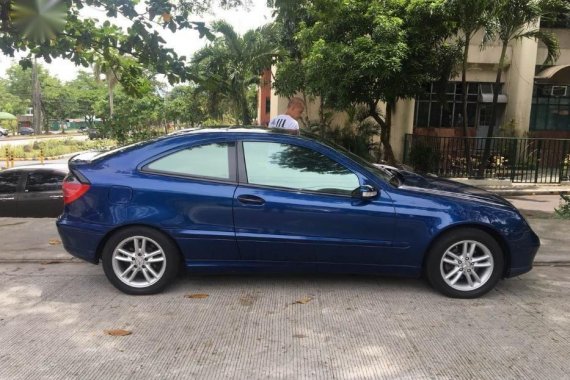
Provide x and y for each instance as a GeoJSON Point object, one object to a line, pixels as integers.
{"type": "Point", "coordinates": [527, 160]}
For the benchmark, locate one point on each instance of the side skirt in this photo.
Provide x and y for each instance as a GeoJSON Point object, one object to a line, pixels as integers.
{"type": "Point", "coordinates": [297, 267]}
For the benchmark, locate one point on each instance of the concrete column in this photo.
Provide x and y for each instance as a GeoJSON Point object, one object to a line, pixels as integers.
{"type": "Point", "coordinates": [519, 84]}
{"type": "Point", "coordinates": [402, 123]}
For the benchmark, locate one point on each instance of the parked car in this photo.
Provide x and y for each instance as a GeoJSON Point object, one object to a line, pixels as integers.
{"type": "Point", "coordinates": [32, 191]}
{"type": "Point", "coordinates": [26, 131]}
{"type": "Point", "coordinates": [95, 133]}
{"type": "Point", "coordinates": [3, 132]}
{"type": "Point", "coordinates": [256, 200]}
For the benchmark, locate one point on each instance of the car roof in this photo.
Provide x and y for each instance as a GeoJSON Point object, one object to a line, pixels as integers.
{"type": "Point", "coordinates": [229, 129]}
{"type": "Point", "coordinates": [57, 167]}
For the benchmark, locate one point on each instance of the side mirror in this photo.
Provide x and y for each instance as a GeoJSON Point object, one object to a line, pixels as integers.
{"type": "Point", "coordinates": [365, 192]}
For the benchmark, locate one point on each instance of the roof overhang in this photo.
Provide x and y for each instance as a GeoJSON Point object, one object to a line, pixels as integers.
{"type": "Point", "coordinates": [551, 72]}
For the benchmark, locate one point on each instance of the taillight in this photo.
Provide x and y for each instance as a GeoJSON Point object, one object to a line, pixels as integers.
{"type": "Point", "coordinates": [73, 189]}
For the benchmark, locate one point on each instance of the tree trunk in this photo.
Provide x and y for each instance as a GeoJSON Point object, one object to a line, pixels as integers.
{"type": "Point", "coordinates": [495, 107]}
{"type": "Point", "coordinates": [465, 119]}
{"type": "Point", "coordinates": [322, 122]}
{"type": "Point", "coordinates": [385, 125]}
{"type": "Point", "coordinates": [36, 100]}
{"type": "Point", "coordinates": [111, 98]}
{"type": "Point", "coordinates": [246, 118]}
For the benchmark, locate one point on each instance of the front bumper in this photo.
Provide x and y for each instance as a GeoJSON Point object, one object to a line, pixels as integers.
{"type": "Point", "coordinates": [522, 254]}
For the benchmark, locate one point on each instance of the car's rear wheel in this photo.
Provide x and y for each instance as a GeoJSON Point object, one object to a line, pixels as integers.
{"type": "Point", "coordinates": [140, 260]}
{"type": "Point", "coordinates": [465, 263]}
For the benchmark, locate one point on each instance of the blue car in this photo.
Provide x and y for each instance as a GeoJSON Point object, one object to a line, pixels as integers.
{"type": "Point", "coordinates": [258, 200]}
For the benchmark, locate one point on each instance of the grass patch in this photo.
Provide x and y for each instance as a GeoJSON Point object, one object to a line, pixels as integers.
{"type": "Point", "coordinates": [57, 147]}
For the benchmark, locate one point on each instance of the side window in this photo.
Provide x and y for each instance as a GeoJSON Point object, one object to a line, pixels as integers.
{"type": "Point", "coordinates": [295, 167]}
{"type": "Point", "coordinates": [44, 181]}
{"type": "Point", "coordinates": [9, 182]}
{"type": "Point", "coordinates": [209, 161]}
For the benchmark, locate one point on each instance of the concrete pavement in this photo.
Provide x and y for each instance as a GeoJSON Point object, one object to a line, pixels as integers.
{"type": "Point", "coordinates": [55, 322]}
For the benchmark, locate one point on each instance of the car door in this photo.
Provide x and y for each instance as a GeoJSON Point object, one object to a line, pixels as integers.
{"type": "Point", "coordinates": [191, 191]}
{"type": "Point", "coordinates": [9, 186]}
{"type": "Point", "coordinates": [43, 195]}
{"type": "Point", "coordinates": [296, 204]}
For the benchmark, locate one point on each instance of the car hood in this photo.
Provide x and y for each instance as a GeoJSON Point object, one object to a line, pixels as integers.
{"type": "Point", "coordinates": [440, 186]}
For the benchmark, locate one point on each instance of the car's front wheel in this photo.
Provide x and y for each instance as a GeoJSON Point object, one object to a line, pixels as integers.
{"type": "Point", "coordinates": [465, 263]}
{"type": "Point", "coordinates": [140, 260]}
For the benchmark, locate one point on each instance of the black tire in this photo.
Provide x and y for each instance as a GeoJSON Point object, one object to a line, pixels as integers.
{"type": "Point", "coordinates": [451, 247]}
{"type": "Point", "coordinates": [165, 265]}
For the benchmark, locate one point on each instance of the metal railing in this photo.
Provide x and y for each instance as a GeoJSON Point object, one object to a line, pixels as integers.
{"type": "Point", "coordinates": [530, 160]}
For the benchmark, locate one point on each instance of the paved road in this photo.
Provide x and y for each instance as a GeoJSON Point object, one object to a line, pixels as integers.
{"type": "Point", "coordinates": [53, 320]}
{"type": "Point", "coordinates": [545, 203]}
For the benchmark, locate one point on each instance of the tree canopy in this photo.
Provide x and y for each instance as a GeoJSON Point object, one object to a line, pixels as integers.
{"type": "Point", "coordinates": [52, 29]}
{"type": "Point", "coordinates": [363, 52]}
{"type": "Point", "coordinates": [230, 67]}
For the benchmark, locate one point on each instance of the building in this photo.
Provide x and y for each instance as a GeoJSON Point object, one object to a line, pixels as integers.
{"type": "Point", "coordinates": [534, 100]}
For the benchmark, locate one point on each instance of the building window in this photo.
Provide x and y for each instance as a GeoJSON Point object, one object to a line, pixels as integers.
{"type": "Point", "coordinates": [445, 110]}
{"type": "Point", "coordinates": [559, 20]}
{"type": "Point", "coordinates": [550, 108]}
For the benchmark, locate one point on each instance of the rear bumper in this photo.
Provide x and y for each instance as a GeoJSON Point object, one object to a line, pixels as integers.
{"type": "Point", "coordinates": [80, 242]}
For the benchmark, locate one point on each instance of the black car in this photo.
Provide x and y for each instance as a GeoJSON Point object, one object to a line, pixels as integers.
{"type": "Point", "coordinates": [32, 191]}
{"type": "Point", "coordinates": [26, 131]}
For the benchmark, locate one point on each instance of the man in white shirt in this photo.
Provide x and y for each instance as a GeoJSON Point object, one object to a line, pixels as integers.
{"type": "Point", "coordinates": [288, 120]}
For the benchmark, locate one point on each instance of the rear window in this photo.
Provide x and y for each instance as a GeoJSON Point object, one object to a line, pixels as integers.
{"type": "Point", "coordinates": [206, 161]}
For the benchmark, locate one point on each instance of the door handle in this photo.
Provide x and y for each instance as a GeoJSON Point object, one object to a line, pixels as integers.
{"type": "Point", "coordinates": [7, 199]}
{"type": "Point", "coordinates": [56, 196]}
{"type": "Point", "coordinates": [251, 200]}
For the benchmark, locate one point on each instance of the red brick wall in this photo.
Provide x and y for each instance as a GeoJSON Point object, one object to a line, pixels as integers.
{"type": "Point", "coordinates": [550, 134]}
{"type": "Point", "coordinates": [264, 97]}
{"type": "Point", "coordinates": [443, 132]}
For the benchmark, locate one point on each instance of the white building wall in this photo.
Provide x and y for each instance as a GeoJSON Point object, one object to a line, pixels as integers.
{"type": "Point", "coordinates": [519, 85]}
{"type": "Point", "coordinates": [402, 124]}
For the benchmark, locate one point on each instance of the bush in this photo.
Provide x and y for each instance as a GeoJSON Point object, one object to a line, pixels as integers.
{"type": "Point", "coordinates": [358, 140]}
{"type": "Point", "coordinates": [564, 210]}
{"type": "Point", "coordinates": [424, 157]}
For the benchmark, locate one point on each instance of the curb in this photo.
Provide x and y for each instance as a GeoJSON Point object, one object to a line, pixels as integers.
{"type": "Point", "coordinates": [42, 261]}
{"type": "Point", "coordinates": [509, 192]}
{"type": "Point", "coordinates": [35, 158]}
{"type": "Point", "coordinates": [551, 263]}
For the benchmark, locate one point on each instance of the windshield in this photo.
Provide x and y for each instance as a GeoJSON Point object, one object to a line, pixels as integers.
{"type": "Point", "coordinates": [379, 172]}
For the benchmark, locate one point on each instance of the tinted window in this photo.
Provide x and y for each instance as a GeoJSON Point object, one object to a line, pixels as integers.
{"type": "Point", "coordinates": [44, 181]}
{"type": "Point", "coordinates": [9, 182]}
{"type": "Point", "coordinates": [295, 167]}
{"type": "Point", "coordinates": [210, 161]}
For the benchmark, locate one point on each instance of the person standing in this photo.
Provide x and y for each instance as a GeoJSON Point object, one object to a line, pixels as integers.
{"type": "Point", "coordinates": [288, 120]}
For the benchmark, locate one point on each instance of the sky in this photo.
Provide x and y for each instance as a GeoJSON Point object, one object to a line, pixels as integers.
{"type": "Point", "coordinates": [184, 42]}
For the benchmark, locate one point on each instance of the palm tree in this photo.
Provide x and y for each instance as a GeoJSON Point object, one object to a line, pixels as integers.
{"type": "Point", "coordinates": [515, 20]}
{"type": "Point", "coordinates": [470, 16]}
{"type": "Point", "coordinates": [228, 67]}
